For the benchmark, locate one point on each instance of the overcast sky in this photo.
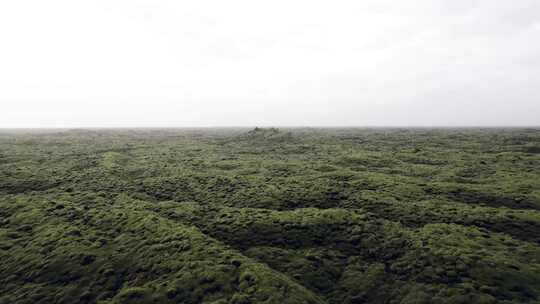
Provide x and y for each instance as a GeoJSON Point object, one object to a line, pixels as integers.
{"type": "Point", "coordinates": [156, 63]}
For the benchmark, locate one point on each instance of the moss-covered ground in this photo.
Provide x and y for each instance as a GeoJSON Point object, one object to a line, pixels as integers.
{"type": "Point", "coordinates": [270, 216]}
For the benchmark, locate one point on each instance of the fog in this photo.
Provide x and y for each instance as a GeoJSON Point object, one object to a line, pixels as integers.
{"type": "Point", "coordinates": [281, 63]}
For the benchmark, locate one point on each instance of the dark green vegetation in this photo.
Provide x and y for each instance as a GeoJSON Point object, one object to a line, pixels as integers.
{"type": "Point", "coordinates": [270, 216]}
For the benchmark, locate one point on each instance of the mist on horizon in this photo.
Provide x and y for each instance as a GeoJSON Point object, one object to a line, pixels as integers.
{"type": "Point", "coordinates": [73, 64]}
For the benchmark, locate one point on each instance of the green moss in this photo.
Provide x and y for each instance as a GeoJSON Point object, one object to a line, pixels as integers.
{"type": "Point", "coordinates": [270, 216]}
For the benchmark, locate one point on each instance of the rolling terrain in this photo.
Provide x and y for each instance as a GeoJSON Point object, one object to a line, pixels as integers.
{"type": "Point", "coordinates": [265, 215]}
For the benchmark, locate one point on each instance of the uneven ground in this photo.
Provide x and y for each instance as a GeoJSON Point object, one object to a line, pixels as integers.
{"type": "Point", "coordinates": [270, 216]}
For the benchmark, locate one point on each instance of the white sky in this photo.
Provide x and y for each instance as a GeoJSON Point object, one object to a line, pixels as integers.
{"type": "Point", "coordinates": [156, 63]}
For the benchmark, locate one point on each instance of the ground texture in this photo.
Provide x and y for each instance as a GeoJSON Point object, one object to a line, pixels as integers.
{"type": "Point", "coordinates": [270, 216]}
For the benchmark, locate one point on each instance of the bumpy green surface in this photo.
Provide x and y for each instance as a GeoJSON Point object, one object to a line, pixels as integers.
{"type": "Point", "coordinates": [270, 216]}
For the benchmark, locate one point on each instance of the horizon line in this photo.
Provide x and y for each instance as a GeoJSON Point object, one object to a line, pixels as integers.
{"type": "Point", "coordinates": [265, 126]}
